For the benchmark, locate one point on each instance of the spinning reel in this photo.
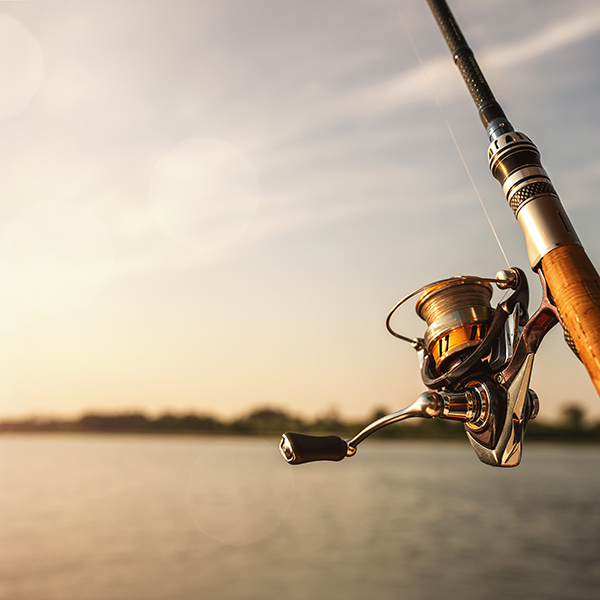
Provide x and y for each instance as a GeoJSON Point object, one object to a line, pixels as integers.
{"type": "Point", "coordinates": [476, 362]}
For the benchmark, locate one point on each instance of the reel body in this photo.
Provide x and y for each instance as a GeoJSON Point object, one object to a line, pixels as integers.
{"type": "Point", "coordinates": [476, 362]}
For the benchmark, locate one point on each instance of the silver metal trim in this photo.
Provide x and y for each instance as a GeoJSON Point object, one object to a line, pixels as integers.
{"type": "Point", "coordinates": [480, 420]}
{"type": "Point", "coordinates": [507, 279]}
{"type": "Point", "coordinates": [516, 137]}
{"type": "Point", "coordinates": [546, 226]}
{"type": "Point", "coordinates": [428, 405]}
{"type": "Point", "coordinates": [508, 450]}
{"type": "Point", "coordinates": [286, 449]}
{"type": "Point", "coordinates": [542, 218]}
{"type": "Point", "coordinates": [462, 406]}
{"type": "Point", "coordinates": [534, 405]}
{"type": "Point", "coordinates": [525, 175]}
{"type": "Point", "coordinates": [469, 405]}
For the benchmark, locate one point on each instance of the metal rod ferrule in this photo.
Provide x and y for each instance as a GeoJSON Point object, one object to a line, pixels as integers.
{"type": "Point", "coordinates": [516, 163]}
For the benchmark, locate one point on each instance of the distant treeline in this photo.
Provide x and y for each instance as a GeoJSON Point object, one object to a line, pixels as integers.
{"type": "Point", "coordinates": [573, 425]}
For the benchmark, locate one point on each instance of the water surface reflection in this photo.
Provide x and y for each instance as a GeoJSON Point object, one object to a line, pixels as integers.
{"type": "Point", "coordinates": [92, 517]}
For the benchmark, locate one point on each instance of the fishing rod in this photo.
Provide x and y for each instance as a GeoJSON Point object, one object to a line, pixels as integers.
{"type": "Point", "coordinates": [552, 243]}
{"type": "Point", "coordinates": [476, 361]}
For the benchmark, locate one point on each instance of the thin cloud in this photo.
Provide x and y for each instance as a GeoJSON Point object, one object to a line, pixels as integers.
{"type": "Point", "coordinates": [415, 85]}
{"type": "Point", "coordinates": [554, 38]}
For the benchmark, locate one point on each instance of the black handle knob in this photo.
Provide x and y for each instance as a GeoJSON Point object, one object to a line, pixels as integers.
{"type": "Point", "coordinates": [298, 448]}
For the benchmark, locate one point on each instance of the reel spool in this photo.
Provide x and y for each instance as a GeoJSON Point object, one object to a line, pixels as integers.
{"type": "Point", "coordinates": [458, 314]}
{"type": "Point", "coordinates": [462, 327]}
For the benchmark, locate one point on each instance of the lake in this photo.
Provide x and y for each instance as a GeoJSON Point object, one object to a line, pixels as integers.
{"type": "Point", "coordinates": [161, 517]}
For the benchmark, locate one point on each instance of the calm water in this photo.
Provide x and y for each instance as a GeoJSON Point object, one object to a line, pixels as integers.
{"type": "Point", "coordinates": [180, 518]}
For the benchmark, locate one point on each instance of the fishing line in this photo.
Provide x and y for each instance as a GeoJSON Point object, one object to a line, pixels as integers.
{"type": "Point", "coordinates": [456, 145]}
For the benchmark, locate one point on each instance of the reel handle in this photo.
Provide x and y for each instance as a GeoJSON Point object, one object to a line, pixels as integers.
{"type": "Point", "coordinates": [475, 406]}
{"type": "Point", "coordinates": [299, 448]}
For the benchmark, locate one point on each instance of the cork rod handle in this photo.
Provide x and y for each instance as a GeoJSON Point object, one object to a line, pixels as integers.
{"type": "Point", "coordinates": [575, 287]}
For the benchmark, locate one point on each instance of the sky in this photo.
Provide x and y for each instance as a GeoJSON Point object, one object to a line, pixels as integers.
{"type": "Point", "coordinates": [212, 206]}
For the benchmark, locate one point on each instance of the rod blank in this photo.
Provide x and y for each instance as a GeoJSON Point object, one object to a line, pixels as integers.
{"type": "Point", "coordinates": [489, 109]}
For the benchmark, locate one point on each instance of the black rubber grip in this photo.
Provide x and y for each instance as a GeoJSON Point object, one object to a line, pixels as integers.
{"type": "Point", "coordinates": [298, 448]}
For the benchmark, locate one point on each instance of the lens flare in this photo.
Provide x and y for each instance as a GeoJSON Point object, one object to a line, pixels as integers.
{"type": "Point", "coordinates": [240, 492]}
{"type": "Point", "coordinates": [21, 67]}
{"type": "Point", "coordinates": [55, 257]}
